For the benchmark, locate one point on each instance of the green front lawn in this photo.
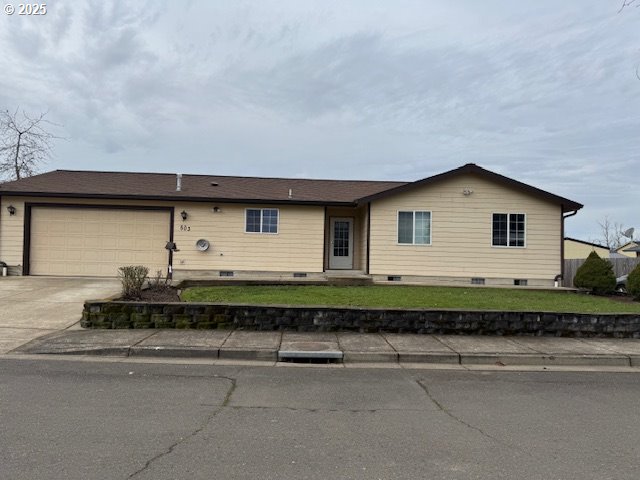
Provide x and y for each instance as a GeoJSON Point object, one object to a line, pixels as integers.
{"type": "Point", "coordinates": [393, 296]}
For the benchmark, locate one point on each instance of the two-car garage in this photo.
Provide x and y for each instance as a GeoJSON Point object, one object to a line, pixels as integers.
{"type": "Point", "coordinates": [94, 240]}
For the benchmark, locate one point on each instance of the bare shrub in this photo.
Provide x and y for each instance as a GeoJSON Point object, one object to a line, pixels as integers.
{"type": "Point", "coordinates": [159, 282]}
{"type": "Point", "coordinates": [132, 278]}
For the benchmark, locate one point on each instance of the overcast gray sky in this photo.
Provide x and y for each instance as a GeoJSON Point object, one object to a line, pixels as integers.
{"type": "Point", "coordinates": [542, 91]}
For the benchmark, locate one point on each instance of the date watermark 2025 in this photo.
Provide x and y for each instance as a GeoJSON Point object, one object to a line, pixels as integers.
{"type": "Point", "coordinates": [26, 9]}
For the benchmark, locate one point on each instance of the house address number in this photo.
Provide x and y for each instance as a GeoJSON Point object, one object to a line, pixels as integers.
{"type": "Point", "coordinates": [185, 228]}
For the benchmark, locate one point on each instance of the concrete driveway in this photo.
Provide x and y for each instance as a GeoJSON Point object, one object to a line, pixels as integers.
{"type": "Point", "coordinates": [31, 307]}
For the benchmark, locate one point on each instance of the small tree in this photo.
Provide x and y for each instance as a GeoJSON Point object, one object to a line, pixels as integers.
{"type": "Point", "coordinates": [24, 143]}
{"type": "Point", "coordinates": [633, 283]}
{"type": "Point", "coordinates": [596, 274]}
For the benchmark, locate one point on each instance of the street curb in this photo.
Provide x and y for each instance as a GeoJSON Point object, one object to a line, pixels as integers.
{"type": "Point", "coordinates": [272, 355]}
{"type": "Point", "coordinates": [544, 360]}
{"type": "Point", "coordinates": [164, 352]}
{"type": "Point", "coordinates": [98, 351]}
{"type": "Point", "coordinates": [428, 357]}
{"type": "Point", "coordinates": [248, 354]}
{"type": "Point", "coordinates": [370, 357]}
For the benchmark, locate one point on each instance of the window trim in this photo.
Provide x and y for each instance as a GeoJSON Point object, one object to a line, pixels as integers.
{"type": "Point", "coordinates": [261, 232]}
{"type": "Point", "coordinates": [508, 214]}
{"type": "Point", "coordinates": [413, 242]}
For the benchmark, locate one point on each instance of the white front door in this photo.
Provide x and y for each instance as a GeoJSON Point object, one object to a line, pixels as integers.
{"type": "Point", "coordinates": [341, 245]}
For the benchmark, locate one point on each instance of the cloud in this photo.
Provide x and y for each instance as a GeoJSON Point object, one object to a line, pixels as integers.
{"type": "Point", "coordinates": [541, 91]}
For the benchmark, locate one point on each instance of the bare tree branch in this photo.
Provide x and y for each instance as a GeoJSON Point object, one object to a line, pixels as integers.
{"type": "Point", "coordinates": [627, 3]}
{"type": "Point", "coordinates": [612, 233]}
{"type": "Point", "coordinates": [25, 143]}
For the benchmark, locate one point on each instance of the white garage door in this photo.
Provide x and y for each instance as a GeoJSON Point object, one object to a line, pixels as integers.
{"type": "Point", "coordinates": [96, 241]}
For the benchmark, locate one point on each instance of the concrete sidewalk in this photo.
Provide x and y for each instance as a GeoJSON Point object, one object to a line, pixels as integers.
{"type": "Point", "coordinates": [348, 348]}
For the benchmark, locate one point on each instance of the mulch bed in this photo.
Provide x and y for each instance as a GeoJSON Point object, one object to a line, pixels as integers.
{"type": "Point", "coordinates": [163, 295]}
{"type": "Point", "coordinates": [621, 298]}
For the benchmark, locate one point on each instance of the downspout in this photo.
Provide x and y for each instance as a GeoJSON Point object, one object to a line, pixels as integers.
{"type": "Point", "coordinates": [171, 227]}
{"type": "Point", "coordinates": [563, 216]}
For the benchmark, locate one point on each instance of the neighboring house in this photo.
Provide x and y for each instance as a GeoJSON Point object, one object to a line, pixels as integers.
{"type": "Point", "coordinates": [629, 249]}
{"type": "Point", "coordinates": [467, 225]}
{"type": "Point", "coordinates": [574, 248]}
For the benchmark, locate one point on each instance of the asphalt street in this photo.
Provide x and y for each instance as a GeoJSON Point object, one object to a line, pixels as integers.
{"type": "Point", "coordinates": [105, 420]}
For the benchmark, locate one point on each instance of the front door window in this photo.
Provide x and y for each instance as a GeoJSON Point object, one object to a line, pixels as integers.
{"type": "Point", "coordinates": [341, 248]}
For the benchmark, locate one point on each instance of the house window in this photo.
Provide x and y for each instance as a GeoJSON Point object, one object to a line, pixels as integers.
{"type": "Point", "coordinates": [508, 230]}
{"type": "Point", "coordinates": [414, 228]}
{"type": "Point", "coordinates": [261, 220]}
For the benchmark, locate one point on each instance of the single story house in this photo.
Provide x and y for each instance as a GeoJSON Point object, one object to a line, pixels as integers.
{"type": "Point", "coordinates": [465, 226]}
{"type": "Point", "coordinates": [574, 248]}
{"type": "Point", "coordinates": [629, 249]}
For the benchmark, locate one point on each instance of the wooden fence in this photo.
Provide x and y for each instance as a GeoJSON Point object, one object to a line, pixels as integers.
{"type": "Point", "coordinates": [621, 266]}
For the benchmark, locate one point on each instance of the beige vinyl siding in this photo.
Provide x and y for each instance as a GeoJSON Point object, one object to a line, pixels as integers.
{"type": "Point", "coordinates": [573, 249]}
{"type": "Point", "coordinates": [361, 239]}
{"type": "Point", "coordinates": [11, 232]}
{"type": "Point", "coordinates": [461, 233]}
{"type": "Point", "coordinates": [297, 246]}
{"type": "Point", "coordinates": [622, 249]}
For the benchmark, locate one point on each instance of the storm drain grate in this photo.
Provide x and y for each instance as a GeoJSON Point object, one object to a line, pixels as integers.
{"type": "Point", "coordinates": [319, 357]}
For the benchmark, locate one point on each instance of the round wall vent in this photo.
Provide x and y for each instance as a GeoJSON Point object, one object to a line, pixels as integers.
{"type": "Point", "coordinates": [202, 245]}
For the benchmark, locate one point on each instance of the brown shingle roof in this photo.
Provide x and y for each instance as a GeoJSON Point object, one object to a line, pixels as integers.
{"type": "Point", "coordinates": [162, 186]}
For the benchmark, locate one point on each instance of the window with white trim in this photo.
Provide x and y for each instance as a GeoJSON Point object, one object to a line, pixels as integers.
{"type": "Point", "coordinates": [261, 220]}
{"type": "Point", "coordinates": [508, 230]}
{"type": "Point", "coordinates": [414, 227]}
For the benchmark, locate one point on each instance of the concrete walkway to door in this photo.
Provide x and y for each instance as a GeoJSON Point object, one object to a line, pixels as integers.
{"type": "Point", "coordinates": [31, 307]}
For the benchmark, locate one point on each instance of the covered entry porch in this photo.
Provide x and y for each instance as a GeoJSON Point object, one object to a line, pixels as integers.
{"type": "Point", "coordinates": [346, 245]}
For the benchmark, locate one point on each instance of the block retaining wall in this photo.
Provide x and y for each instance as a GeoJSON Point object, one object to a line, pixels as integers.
{"type": "Point", "coordinates": [118, 314]}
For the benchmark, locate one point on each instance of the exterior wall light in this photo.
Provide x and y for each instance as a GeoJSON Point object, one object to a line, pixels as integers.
{"type": "Point", "coordinates": [217, 209]}
{"type": "Point", "coordinates": [11, 209]}
{"type": "Point", "coordinates": [184, 215]}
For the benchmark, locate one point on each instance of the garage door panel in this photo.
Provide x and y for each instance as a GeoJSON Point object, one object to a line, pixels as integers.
{"type": "Point", "coordinates": [76, 243]}
{"type": "Point", "coordinates": [108, 229]}
{"type": "Point", "coordinates": [96, 242]}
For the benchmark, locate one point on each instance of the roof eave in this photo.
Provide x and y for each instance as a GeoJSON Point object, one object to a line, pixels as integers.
{"type": "Point", "coordinates": [167, 198]}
